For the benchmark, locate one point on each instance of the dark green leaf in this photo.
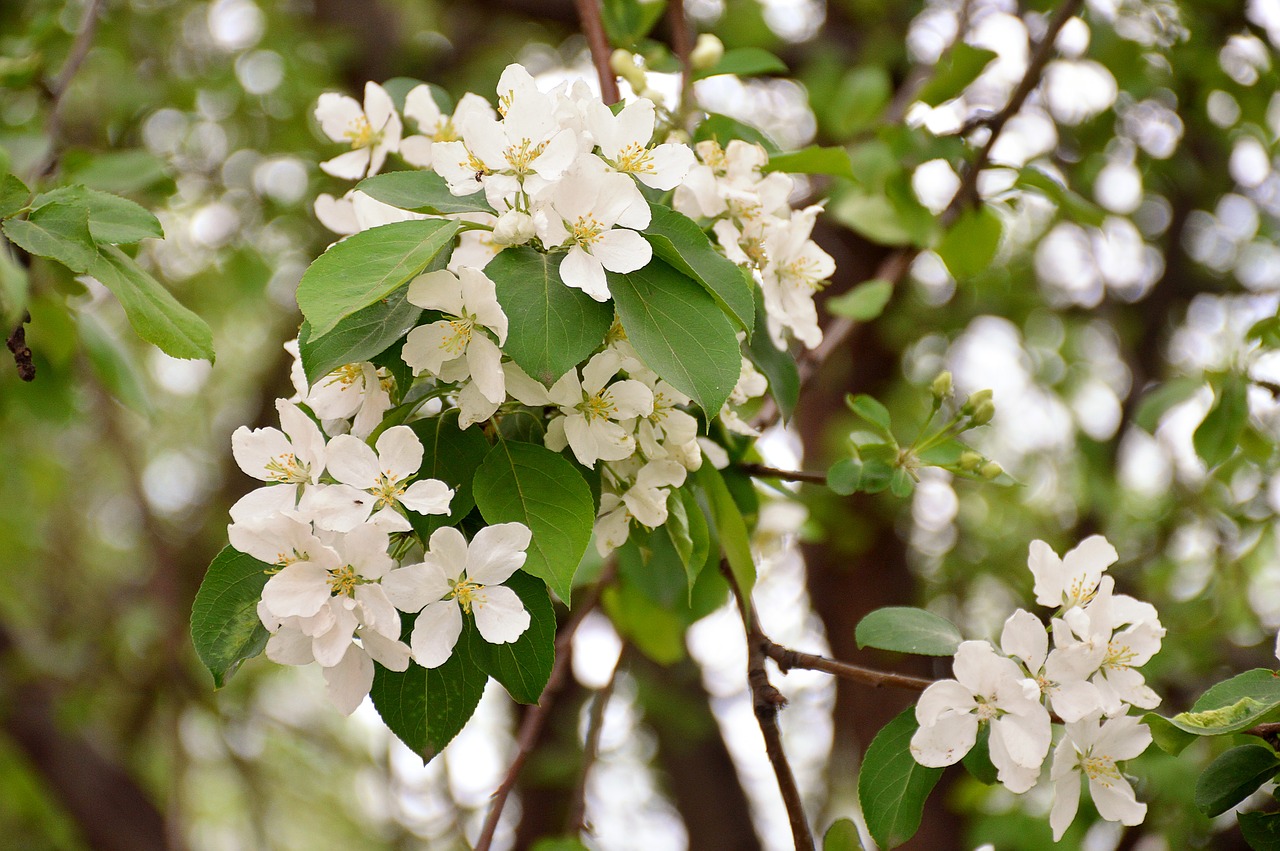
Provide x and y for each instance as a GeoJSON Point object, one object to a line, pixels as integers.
{"type": "Point", "coordinates": [775, 364]}
{"type": "Point", "coordinates": [524, 665]}
{"type": "Point", "coordinates": [978, 760]}
{"type": "Point", "coordinates": [529, 484]}
{"type": "Point", "coordinates": [368, 266]}
{"type": "Point", "coordinates": [679, 331]}
{"type": "Point", "coordinates": [225, 627]}
{"type": "Point", "coordinates": [1168, 737]}
{"type": "Point", "coordinates": [864, 302]}
{"type": "Point", "coordinates": [1260, 830]}
{"type": "Point", "coordinates": [908, 630]}
{"type": "Point", "coordinates": [451, 455]}
{"type": "Point", "coordinates": [842, 836]}
{"type": "Point", "coordinates": [724, 129]}
{"type": "Point", "coordinates": [957, 69]}
{"type": "Point", "coordinates": [112, 219]}
{"type": "Point", "coordinates": [1234, 776]}
{"type": "Point", "coordinates": [156, 316]}
{"type": "Point", "coordinates": [57, 231]}
{"type": "Point", "coordinates": [814, 159]}
{"type": "Point", "coordinates": [679, 241]}
{"type": "Point", "coordinates": [730, 528]}
{"type": "Point", "coordinates": [421, 192]}
{"type": "Point", "coordinates": [426, 708]}
{"type": "Point", "coordinates": [892, 786]}
{"type": "Point", "coordinates": [745, 62]}
{"type": "Point", "coordinates": [686, 528]}
{"type": "Point", "coordinates": [1217, 437]}
{"type": "Point", "coordinates": [554, 326]}
{"type": "Point", "coordinates": [360, 337]}
{"type": "Point", "coordinates": [970, 244]}
{"type": "Point", "coordinates": [14, 195]}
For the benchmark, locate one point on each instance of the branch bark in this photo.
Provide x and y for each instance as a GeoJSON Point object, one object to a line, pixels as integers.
{"type": "Point", "coordinates": [598, 41]}
{"type": "Point", "coordinates": [577, 820]}
{"type": "Point", "coordinates": [58, 88]}
{"type": "Point", "coordinates": [761, 471]}
{"type": "Point", "coordinates": [22, 357]}
{"type": "Point", "coordinates": [788, 659]}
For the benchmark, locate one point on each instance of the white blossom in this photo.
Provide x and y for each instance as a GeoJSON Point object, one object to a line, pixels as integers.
{"type": "Point", "coordinates": [294, 456]}
{"type": "Point", "coordinates": [470, 303]}
{"type": "Point", "coordinates": [1071, 580]}
{"type": "Point", "coordinates": [1063, 677]}
{"type": "Point", "coordinates": [1092, 749]}
{"type": "Point", "coordinates": [624, 141]}
{"type": "Point", "coordinates": [372, 131]}
{"type": "Point", "coordinates": [592, 411]}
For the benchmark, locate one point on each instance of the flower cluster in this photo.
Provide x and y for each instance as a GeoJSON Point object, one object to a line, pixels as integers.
{"type": "Point", "coordinates": [1089, 679]}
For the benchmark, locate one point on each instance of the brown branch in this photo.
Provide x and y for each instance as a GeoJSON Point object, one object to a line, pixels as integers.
{"type": "Point", "coordinates": [598, 41]}
{"type": "Point", "coordinates": [788, 659]}
{"type": "Point", "coordinates": [682, 46]}
{"type": "Point", "coordinates": [577, 819]}
{"type": "Point", "coordinates": [535, 717]}
{"type": "Point", "coordinates": [57, 90]}
{"type": "Point", "coordinates": [760, 471]}
{"type": "Point", "coordinates": [17, 344]}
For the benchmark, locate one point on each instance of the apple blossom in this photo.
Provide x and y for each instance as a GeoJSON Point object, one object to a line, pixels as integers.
{"type": "Point", "coordinates": [372, 131]}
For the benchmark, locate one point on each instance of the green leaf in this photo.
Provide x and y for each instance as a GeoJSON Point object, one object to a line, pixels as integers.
{"type": "Point", "coordinates": [678, 240]}
{"type": "Point", "coordinates": [1234, 776]}
{"type": "Point", "coordinates": [724, 130]}
{"type": "Point", "coordinates": [156, 316]}
{"type": "Point", "coordinates": [524, 665]}
{"type": "Point", "coordinates": [978, 760]}
{"type": "Point", "coordinates": [563, 843]}
{"type": "Point", "coordinates": [956, 70]}
{"type": "Point", "coordinates": [1072, 204]}
{"type": "Point", "coordinates": [881, 219]}
{"type": "Point", "coordinates": [657, 631]}
{"type": "Point", "coordinates": [1266, 331]}
{"type": "Point", "coordinates": [1227, 707]}
{"type": "Point", "coordinates": [112, 220]}
{"type": "Point", "coordinates": [873, 412]}
{"type": "Point", "coordinates": [14, 289]}
{"type": "Point", "coordinates": [113, 363]}
{"type": "Point", "coordinates": [814, 159]}
{"type": "Point", "coordinates": [530, 484]}
{"type": "Point", "coordinates": [1260, 830]}
{"type": "Point", "coordinates": [1167, 737]}
{"type": "Point", "coordinates": [892, 786]}
{"type": "Point", "coordinates": [628, 21]}
{"type": "Point", "coordinates": [745, 62]}
{"type": "Point", "coordinates": [1217, 437]}
{"type": "Point", "coordinates": [775, 364]}
{"type": "Point", "coordinates": [686, 528]}
{"type": "Point", "coordinates": [842, 836]}
{"type": "Point", "coordinates": [399, 88]}
{"type": "Point", "coordinates": [451, 455]}
{"type": "Point", "coordinates": [57, 231]}
{"type": "Point", "coordinates": [14, 195]}
{"type": "Point", "coordinates": [844, 477]}
{"type": "Point", "coordinates": [901, 484]}
{"type": "Point", "coordinates": [368, 266]}
{"type": "Point", "coordinates": [861, 99]}
{"type": "Point", "coordinates": [679, 331]}
{"type": "Point", "coordinates": [864, 302]}
{"type": "Point", "coordinates": [908, 630]}
{"type": "Point", "coordinates": [124, 171]}
{"type": "Point", "coordinates": [1156, 401]}
{"type": "Point", "coordinates": [970, 245]}
{"type": "Point", "coordinates": [360, 337]}
{"type": "Point", "coordinates": [225, 627]}
{"type": "Point", "coordinates": [421, 192]}
{"type": "Point", "coordinates": [730, 527]}
{"type": "Point", "coordinates": [426, 708]}
{"type": "Point", "coordinates": [554, 326]}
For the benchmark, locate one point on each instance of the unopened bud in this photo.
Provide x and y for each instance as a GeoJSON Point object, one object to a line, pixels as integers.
{"type": "Point", "coordinates": [975, 399]}
{"type": "Point", "coordinates": [707, 53]}
{"type": "Point", "coordinates": [941, 386]}
{"type": "Point", "coordinates": [513, 228]}
{"type": "Point", "coordinates": [990, 470]}
{"type": "Point", "coordinates": [983, 413]}
{"type": "Point", "coordinates": [657, 97]}
{"type": "Point", "coordinates": [970, 461]}
{"type": "Point", "coordinates": [623, 63]}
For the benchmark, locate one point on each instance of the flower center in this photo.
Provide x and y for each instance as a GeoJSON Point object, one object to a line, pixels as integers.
{"type": "Point", "coordinates": [444, 131]}
{"type": "Point", "coordinates": [1100, 769]}
{"type": "Point", "coordinates": [286, 559]}
{"type": "Point", "coordinates": [586, 231]}
{"type": "Point", "coordinates": [1119, 656]}
{"type": "Point", "coordinates": [388, 490]}
{"type": "Point", "coordinates": [522, 154]}
{"type": "Point", "coordinates": [455, 342]}
{"type": "Point", "coordinates": [345, 375]}
{"type": "Point", "coordinates": [343, 581]}
{"type": "Point", "coordinates": [635, 159]}
{"type": "Point", "coordinates": [361, 134]}
{"type": "Point", "coordinates": [802, 272]}
{"type": "Point", "coordinates": [1079, 594]}
{"type": "Point", "coordinates": [467, 593]}
{"type": "Point", "coordinates": [597, 407]}
{"type": "Point", "coordinates": [287, 468]}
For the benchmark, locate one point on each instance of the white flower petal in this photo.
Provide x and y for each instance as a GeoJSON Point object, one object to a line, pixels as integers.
{"type": "Point", "coordinates": [412, 588]}
{"type": "Point", "coordinates": [298, 590]}
{"type": "Point", "coordinates": [349, 681]}
{"type": "Point", "coordinates": [435, 633]}
{"type": "Point", "coordinates": [497, 551]}
{"type": "Point", "coordinates": [500, 615]}
{"type": "Point", "coordinates": [399, 453]}
{"type": "Point", "coordinates": [352, 462]}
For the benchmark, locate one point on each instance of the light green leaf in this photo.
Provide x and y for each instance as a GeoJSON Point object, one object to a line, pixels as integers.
{"type": "Point", "coordinates": [114, 364]}
{"type": "Point", "coordinates": [57, 231]}
{"type": "Point", "coordinates": [908, 630]}
{"type": "Point", "coordinates": [814, 159]}
{"type": "Point", "coordinates": [678, 240]}
{"type": "Point", "coordinates": [657, 631]}
{"type": "Point", "coordinates": [14, 289]}
{"type": "Point", "coordinates": [679, 331]}
{"type": "Point", "coordinates": [892, 786]}
{"type": "Point", "coordinates": [154, 313]}
{"type": "Point", "coordinates": [871, 411]}
{"type": "Point", "coordinates": [1072, 204]}
{"type": "Point", "coordinates": [112, 220]}
{"type": "Point", "coordinates": [842, 836]}
{"type": "Point", "coordinates": [524, 665]}
{"type": "Point", "coordinates": [844, 477]}
{"type": "Point", "coordinates": [628, 21]}
{"type": "Point", "coordinates": [745, 62]}
{"type": "Point", "coordinates": [451, 455]}
{"type": "Point", "coordinates": [124, 171]}
{"type": "Point", "coordinates": [421, 192]}
{"type": "Point", "coordinates": [881, 219]}
{"type": "Point", "coordinates": [730, 527]}
{"type": "Point", "coordinates": [970, 245]}
{"type": "Point", "coordinates": [426, 708]}
{"type": "Point", "coordinates": [360, 337]}
{"type": "Point", "coordinates": [1234, 776]}
{"type": "Point", "coordinates": [368, 266]}
{"type": "Point", "coordinates": [530, 484]}
{"type": "Point", "coordinates": [1217, 437]}
{"type": "Point", "coordinates": [724, 130]}
{"type": "Point", "coordinates": [955, 71]}
{"type": "Point", "coordinates": [1156, 401]}
{"type": "Point", "coordinates": [225, 627]}
{"type": "Point", "coordinates": [864, 302]}
{"type": "Point", "coordinates": [775, 364]}
{"type": "Point", "coordinates": [14, 195]}
{"type": "Point", "coordinates": [858, 104]}
{"type": "Point", "coordinates": [554, 326]}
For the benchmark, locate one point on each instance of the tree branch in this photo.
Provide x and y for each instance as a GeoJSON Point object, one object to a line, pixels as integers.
{"type": "Point", "coordinates": [577, 819]}
{"type": "Point", "coordinates": [682, 46]}
{"type": "Point", "coordinates": [760, 471]}
{"type": "Point", "coordinates": [58, 89]}
{"type": "Point", "coordinates": [598, 41]}
{"type": "Point", "coordinates": [788, 659]}
{"type": "Point", "coordinates": [17, 344]}
{"type": "Point", "coordinates": [536, 716]}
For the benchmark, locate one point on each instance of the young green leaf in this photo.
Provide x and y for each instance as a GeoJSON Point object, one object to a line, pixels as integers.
{"type": "Point", "coordinates": [724, 130]}
{"type": "Point", "coordinates": [678, 240]}
{"type": "Point", "coordinates": [908, 630]}
{"type": "Point", "coordinates": [730, 528]}
{"type": "Point", "coordinates": [815, 159]}
{"type": "Point", "coordinates": [1156, 401]}
{"type": "Point", "coordinates": [628, 21]}
{"type": "Point", "coordinates": [114, 364]}
{"type": "Point", "coordinates": [529, 484]}
{"type": "Point", "coordinates": [842, 836]}
{"type": "Point", "coordinates": [554, 326]}
{"type": "Point", "coordinates": [745, 62]}
{"type": "Point", "coordinates": [873, 412]}
{"type": "Point", "coordinates": [892, 786]}
{"type": "Point", "coordinates": [1217, 437]}
{"type": "Point", "coordinates": [421, 192]}
{"type": "Point", "coordinates": [451, 455]}
{"type": "Point", "coordinates": [14, 195]}
{"type": "Point", "coordinates": [970, 244]}
{"type": "Point", "coordinates": [57, 231]}
{"type": "Point", "coordinates": [368, 266]}
{"type": "Point", "coordinates": [960, 67]}
{"type": "Point", "coordinates": [1234, 776]}
{"type": "Point", "coordinates": [1227, 707]}
{"type": "Point", "coordinates": [362, 336]}
{"type": "Point", "coordinates": [426, 708]}
{"type": "Point", "coordinates": [1072, 204]}
{"type": "Point", "coordinates": [679, 331]}
{"type": "Point", "coordinates": [112, 220]}
{"type": "Point", "coordinates": [524, 665]}
{"type": "Point", "coordinates": [863, 303]}
{"type": "Point", "coordinates": [156, 316]}
{"type": "Point", "coordinates": [225, 627]}
{"type": "Point", "coordinates": [845, 476]}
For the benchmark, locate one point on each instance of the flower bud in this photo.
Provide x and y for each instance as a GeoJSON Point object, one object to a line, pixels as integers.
{"type": "Point", "coordinates": [983, 413]}
{"type": "Point", "coordinates": [990, 470]}
{"type": "Point", "coordinates": [975, 399]}
{"type": "Point", "coordinates": [970, 461]}
{"type": "Point", "coordinates": [513, 228]}
{"type": "Point", "coordinates": [623, 63]}
{"type": "Point", "coordinates": [707, 53]}
{"type": "Point", "coordinates": [942, 385]}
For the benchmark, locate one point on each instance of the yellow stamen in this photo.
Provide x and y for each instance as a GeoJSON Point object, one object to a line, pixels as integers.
{"type": "Point", "coordinates": [586, 231]}
{"type": "Point", "coordinates": [635, 159]}
{"type": "Point", "coordinates": [597, 407]}
{"type": "Point", "coordinates": [468, 594]}
{"type": "Point", "coordinates": [361, 134]}
{"type": "Point", "coordinates": [343, 581]}
{"type": "Point", "coordinates": [287, 468]}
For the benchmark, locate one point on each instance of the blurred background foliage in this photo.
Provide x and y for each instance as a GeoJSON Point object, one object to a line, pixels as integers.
{"type": "Point", "coordinates": [1110, 321]}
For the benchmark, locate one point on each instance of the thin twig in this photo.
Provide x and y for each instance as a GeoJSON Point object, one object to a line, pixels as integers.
{"type": "Point", "coordinates": [58, 89]}
{"type": "Point", "coordinates": [577, 820]}
{"type": "Point", "coordinates": [788, 659]}
{"type": "Point", "coordinates": [598, 41]}
{"type": "Point", "coordinates": [682, 46]}
{"type": "Point", "coordinates": [17, 344]}
{"type": "Point", "coordinates": [535, 717]}
{"type": "Point", "coordinates": [760, 471]}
